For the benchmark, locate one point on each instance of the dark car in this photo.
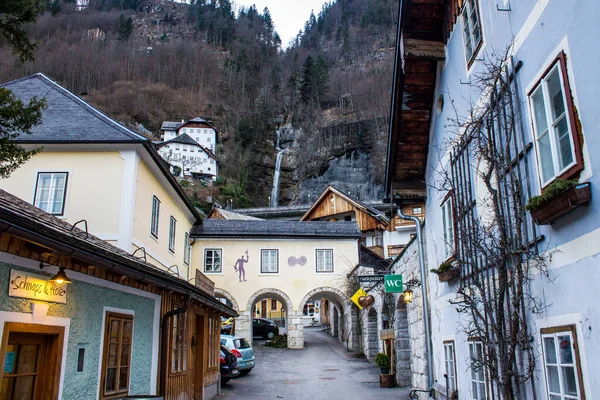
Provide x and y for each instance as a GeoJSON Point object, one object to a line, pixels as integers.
{"type": "Point", "coordinates": [265, 328]}
{"type": "Point", "coordinates": [229, 365]}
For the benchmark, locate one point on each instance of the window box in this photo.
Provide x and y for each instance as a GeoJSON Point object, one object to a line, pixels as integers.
{"type": "Point", "coordinates": [446, 272]}
{"type": "Point", "coordinates": [562, 203]}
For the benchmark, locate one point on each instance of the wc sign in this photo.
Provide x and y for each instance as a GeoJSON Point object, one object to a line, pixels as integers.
{"type": "Point", "coordinates": [393, 284]}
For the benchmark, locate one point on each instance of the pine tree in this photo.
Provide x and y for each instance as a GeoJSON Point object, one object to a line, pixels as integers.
{"type": "Point", "coordinates": [125, 28]}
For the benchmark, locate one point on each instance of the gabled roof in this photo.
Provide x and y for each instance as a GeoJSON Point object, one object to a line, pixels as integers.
{"type": "Point", "coordinates": [281, 229]}
{"type": "Point", "coordinates": [186, 139]}
{"type": "Point", "coordinates": [373, 212]}
{"type": "Point", "coordinates": [175, 125]}
{"type": "Point", "coordinates": [34, 224]}
{"type": "Point", "coordinates": [219, 213]}
{"type": "Point", "coordinates": [67, 118]}
{"type": "Point", "coordinates": [170, 125]}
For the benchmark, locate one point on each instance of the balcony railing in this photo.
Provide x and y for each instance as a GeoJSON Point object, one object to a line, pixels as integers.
{"type": "Point", "coordinates": [402, 223]}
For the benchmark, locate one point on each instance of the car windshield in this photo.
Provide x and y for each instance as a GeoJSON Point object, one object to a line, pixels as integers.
{"type": "Point", "coordinates": [241, 344]}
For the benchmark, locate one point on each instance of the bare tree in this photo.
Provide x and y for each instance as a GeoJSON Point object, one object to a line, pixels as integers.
{"type": "Point", "coordinates": [495, 239]}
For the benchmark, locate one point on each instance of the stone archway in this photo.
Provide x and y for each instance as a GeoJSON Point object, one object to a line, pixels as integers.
{"type": "Point", "coordinates": [270, 292]}
{"type": "Point", "coordinates": [226, 295]}
{"type": "Point", "coordinates": [338, 304]}
{"type": "Point", "coordinates": [402, 344]}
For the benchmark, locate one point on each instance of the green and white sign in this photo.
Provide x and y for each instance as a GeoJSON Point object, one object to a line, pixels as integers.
{"type": "Point", "coordinates": [393, 284]}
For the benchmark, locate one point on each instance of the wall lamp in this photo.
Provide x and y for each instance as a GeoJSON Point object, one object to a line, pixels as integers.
{"type": "Point", "coordinates": [408, 293]}
{"type": "Point", "coordinates": [60, 278]}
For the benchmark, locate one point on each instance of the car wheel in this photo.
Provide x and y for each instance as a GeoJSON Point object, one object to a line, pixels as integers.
{"type": "Point", "coordinates": [246, 372]}
{"type": "Point", "coordinates": [224, 380]}
{"type": "Point", "coordinates": [270, 335]}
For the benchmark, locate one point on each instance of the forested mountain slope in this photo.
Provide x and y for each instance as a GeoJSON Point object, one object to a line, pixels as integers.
{"type": "Point", "coordinates": [145, 61]}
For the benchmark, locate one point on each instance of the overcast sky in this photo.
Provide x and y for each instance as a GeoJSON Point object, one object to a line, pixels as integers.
{"type": "Point", "coordinates": [288, 16]}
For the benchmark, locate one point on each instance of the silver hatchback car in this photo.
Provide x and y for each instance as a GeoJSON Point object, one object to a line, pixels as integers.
{"type": "Point", "coordinates": [243, 351]}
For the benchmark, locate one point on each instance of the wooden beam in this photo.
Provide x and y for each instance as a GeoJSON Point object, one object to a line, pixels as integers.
{"type": "Point", "coordinates": [426, 49]}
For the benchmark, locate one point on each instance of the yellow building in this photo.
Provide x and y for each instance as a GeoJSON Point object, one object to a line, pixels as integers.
{"type": "Point", "coordinates": [105, 178]}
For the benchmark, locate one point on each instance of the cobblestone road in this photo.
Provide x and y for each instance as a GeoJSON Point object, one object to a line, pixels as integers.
{"type": "Point", "coordinates": [322, 370]}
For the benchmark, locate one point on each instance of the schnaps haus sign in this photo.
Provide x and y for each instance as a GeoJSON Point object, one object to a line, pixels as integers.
{"type": "Point", "coordinates": [31, 286]}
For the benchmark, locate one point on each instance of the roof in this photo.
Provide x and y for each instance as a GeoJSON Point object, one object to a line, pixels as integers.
{"type": "Point", "coordinates": [170, 125]}
{"type": "Point", "coordinates": [372, 211]}
{"type": "Point", "coordinates": [259, 228]}
{"type": "Point", "coordinates": [67, 118]}
{"type": "Point", "coordinates": [227, 214]}
{"type": "Point", "coordinates": [175, 125]}
{"type": "Point", "coordinates": [184, 138]}
{"type": "Point", "coordinates": [42, 227]}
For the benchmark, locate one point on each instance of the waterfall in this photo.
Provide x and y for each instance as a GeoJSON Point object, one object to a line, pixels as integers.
{"type": "Point", "coordinates": [275, 190]}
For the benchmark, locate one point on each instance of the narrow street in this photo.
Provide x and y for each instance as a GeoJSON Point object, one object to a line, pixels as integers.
{"type": "Point", "coordinates": [322, 370]}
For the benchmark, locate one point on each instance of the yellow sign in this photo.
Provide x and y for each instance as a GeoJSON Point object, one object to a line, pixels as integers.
{"type": "Point", "coordinates": [37, 287]}
{"type": "Point", "coordinates": [359, 293]}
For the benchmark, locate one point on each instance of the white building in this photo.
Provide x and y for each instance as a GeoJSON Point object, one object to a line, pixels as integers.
{"type": "Point", "coordinates": [194, 159]}
{"type": "Point", "coordinates": [190, 146]}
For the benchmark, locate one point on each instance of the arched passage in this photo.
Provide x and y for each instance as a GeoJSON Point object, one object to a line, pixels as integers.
{"type": "Point", "coordinates": [338, 310]}
{"type": "Point", "coordinates": [402, 344]}
{"type": "Point", "coordinates": [220, 293]}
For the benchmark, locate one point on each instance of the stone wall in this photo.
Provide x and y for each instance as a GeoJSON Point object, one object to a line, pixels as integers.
{"type": "Point", "coordinates": [410, 323]}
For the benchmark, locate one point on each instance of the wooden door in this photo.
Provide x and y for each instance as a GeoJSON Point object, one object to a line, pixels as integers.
{"type": "Point", "coordinates": [263, 309]}
{"type": "Point", "coordinates": [23, 367]}
{"type": "Point", "coordinates": [199, 358]}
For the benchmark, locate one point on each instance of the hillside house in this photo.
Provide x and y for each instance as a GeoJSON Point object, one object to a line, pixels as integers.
{"type": "Point", "coordinates": [382, 234]}
{"type": "Point", "coordinates": [191, 158]}
{"type": "Point", "coordinates": [112, 184]}
{"type": "Point", "coordinates": [200, 130]}
{"type": "Point", "coordinates": [531, 92]}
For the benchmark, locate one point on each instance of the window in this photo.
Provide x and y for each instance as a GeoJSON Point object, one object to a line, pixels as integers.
{"type": "Point", "coordinates": [562, 365]}
{"type": "Point", "coordinates": [184, 147]}
{"type": "Point", "coordinates": [212, 161]}
{"type": "Point", "coordinates": [116, 359]}
{"type": "Point", "coordinates": [448, 226]}
{"type": "Point", "coordinates": [324, 260]}
{"type": "Point", "coordinates": [155, 214]}
{"type": "Point", "coordinates": [208, 140]}
{"type": "Point", "coordinates": [394, 250]}
{"type": "Point", "coordinates": [179, 344]}
{"type": "Point", "coordinates": [557, 145]}
{"type": "Point", "coordinates": [417, 210]}
{"type": "Point", "coordinates": [273, 305]}
{"type": "Point", "coordinates": [50, 191]}
{"type": "Point", "coordinates": [450, 362]}
{"type": "Point", "coordinates": [197, 138]}
{"type": "Point", "coordinates": [187, 248]}
{"type": "Point", "coordinates": [378, 240]}
{"type": "Point", "coordinates": [172, 230]}
{"type": "Point", "coordinates": [269, 261]}
{"type": "Point", "coordinates": [176, 146]}
{"type": "Point", "coordinates": [214, 337]}
{"type": "Point", "coordinates": [471, 29]}
{"type": "Point", "coordinates": [478, 387]}
{"type": "Point", "coordinates": [212, 260]}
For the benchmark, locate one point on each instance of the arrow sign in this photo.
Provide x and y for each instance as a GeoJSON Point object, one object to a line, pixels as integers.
{"type": "Point", "coordinates": [393, 284]}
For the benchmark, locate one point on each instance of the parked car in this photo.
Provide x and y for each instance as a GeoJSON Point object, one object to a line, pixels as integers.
{"type": "Point", "coordinates": [242, 350]}
{"type": "Point", "coordinates": [265, 328]}
{"type": "Point", "coordinates": [229, 365]}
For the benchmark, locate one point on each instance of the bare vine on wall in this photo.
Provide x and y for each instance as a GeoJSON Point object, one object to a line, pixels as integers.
{"type": "Point", "coordinates": [486, 176]}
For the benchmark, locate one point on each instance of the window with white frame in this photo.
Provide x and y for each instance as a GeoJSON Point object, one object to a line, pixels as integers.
{"type": "Point", "coordinates": [561, 361]}
{"type": "Point", "coordinates": [269, 261]}
{"type": "Point", "coordinates": [477, 367]}
{"type": "Point", "coordinates": [212, 260]}
{"type": "Point", "coordinates": [471, 29]}
{"type": "Point", "coordinates": [448, 227]}
{"type": "Point", "coordinates": [50, 192]}
{"type": "Point", "coordinates": [450, 362]}
{"type": "Point", "coordinates": [155, 215]}
{"type": "Point", "coordinates": [187, 249]}
{"type": "Point", "coordinates": [556, 141]}
{"type": "Point", "coordinates": [172, 230]}
{"type": "Point", "coordinates": [325, 260]}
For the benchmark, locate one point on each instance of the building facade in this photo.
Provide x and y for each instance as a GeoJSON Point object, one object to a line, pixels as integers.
{"type": "Point", "coordinates": [191, 158]}
{"type": "Point", "coordinates": [492, 109]}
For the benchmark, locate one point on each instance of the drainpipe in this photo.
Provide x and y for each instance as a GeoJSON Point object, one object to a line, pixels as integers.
{"type": "Point", "coordinates": [165, 343]}
{"type": "Point", "coordinates": [417, 222]}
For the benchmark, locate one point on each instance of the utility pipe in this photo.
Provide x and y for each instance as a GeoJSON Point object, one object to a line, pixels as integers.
{"type": "Point", "coordinates": [417, 222]}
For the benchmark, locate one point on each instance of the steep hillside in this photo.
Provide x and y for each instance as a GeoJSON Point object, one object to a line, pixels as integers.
{"type": "Point", "coordinates": [145, 61]}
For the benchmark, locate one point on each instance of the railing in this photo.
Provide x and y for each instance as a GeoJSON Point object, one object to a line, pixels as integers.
{"type": "Point", "coordinates": [404, 223]}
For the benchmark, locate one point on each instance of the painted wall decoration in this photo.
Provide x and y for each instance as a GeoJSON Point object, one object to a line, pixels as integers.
{"type": "Point", "coordinates": [293, 261]}
{"type": "Point", "coordinates": [239, 266]}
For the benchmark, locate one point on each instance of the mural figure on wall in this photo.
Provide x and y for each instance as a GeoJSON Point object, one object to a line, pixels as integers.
{"type": "Point", "coordinates": [239, 266]}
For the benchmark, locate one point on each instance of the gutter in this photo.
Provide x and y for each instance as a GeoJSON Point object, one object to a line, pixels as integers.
{"type": "Point", "coordinates": [423, 274]}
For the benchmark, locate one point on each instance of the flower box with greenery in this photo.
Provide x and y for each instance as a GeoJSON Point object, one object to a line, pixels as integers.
{"type": "Point", "coordinates": [383, 361]}
{"type": "Point", "coordinates": [446, 271]}
{"type": "Point", "coordinates": [558, 199]}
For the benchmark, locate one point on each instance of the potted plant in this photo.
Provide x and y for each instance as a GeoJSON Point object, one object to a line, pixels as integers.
{"type": "Point", "coordinates": [383, 361]}
{"type": "Point", "coordinates": [558, 199]}
{"type": "Point", "coordinates": [446, 271]}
